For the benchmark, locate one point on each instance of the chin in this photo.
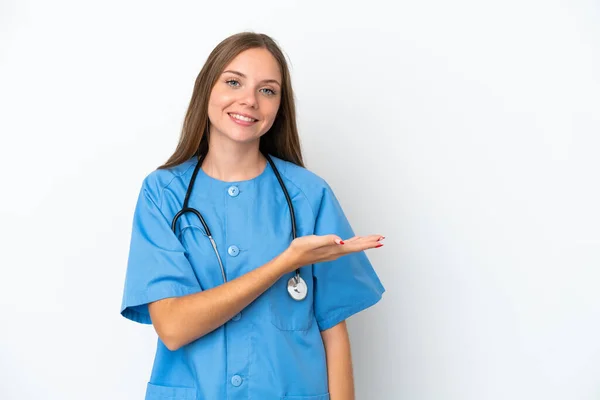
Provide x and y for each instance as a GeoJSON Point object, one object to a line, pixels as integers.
{"type": "Point", "coordinates": [244, 139]}
{"type": "Point", "coordinates": [237, 134]}
{"type": "Point", "coordinates": [243, 136]}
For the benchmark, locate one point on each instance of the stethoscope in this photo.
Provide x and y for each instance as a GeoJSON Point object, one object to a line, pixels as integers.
{"type": "Point", "coordinates": [296, 286]}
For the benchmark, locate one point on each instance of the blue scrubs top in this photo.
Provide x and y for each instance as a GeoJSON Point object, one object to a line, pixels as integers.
{"type": "Point", "coordinates": [273, 348]}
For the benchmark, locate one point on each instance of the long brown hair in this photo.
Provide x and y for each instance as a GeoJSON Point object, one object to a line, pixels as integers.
{"type": "Point", "coordinates": [281, 140]}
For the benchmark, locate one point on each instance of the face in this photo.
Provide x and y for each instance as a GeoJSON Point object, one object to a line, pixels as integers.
{"type": "Point", "coordinates": [244, 101]}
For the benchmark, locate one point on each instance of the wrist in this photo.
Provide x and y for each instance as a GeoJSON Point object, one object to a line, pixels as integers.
{"type": "Point", "coordinates": [286, 262]}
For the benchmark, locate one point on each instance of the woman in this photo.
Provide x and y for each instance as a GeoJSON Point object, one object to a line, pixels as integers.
{"type": "Point", "coordinates": [242, 309]}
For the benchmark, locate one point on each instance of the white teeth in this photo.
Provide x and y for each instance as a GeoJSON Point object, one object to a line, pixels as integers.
{"type": "Point", "coordinates": [242, 118]}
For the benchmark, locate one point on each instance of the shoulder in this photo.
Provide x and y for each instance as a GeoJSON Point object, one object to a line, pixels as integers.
{"type": "Point", "coordinates": [300, 176]}
{"type": "Point", "coordinates": [311, 185]}
{"type": "Point", "coordinates": [158, 180]}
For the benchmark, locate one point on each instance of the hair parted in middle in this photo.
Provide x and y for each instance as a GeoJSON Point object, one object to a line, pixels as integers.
{"type": "Point", "coordinates": [281, 140]}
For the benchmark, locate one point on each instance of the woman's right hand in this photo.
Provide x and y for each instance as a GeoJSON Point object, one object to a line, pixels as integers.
{"type": "Point", "coordinates": [312, 249]}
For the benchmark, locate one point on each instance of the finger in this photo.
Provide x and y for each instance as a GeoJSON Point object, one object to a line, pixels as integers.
{"type": "Point", "coordinates": [364, 243]}
{"type": "Point", "coordinates": [377, 238]}
{"type": "Point", "coordinates": [376, 241]}
{"type": "Point", "coordinates": [328, 240]}
{"type": "Point", "coordinates": [332, 239]}
{"type": "Point", "coordinates": [366, 239]}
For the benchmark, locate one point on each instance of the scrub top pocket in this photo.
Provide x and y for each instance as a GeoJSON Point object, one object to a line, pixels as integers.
{"type": "Point", "coordinates": [288, 314]}
{"type": "Point", "coordinates": [156, 392]}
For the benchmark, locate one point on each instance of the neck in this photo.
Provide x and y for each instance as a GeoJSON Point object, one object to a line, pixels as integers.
{"type": "Point", "coordinates": [231, 162]}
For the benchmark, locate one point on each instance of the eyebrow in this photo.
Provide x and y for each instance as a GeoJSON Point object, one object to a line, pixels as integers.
{"type": "Point", "coordinates": [244, 76]}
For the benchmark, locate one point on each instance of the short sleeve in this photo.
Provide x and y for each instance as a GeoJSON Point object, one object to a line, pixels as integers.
{"type": "Point", "coordinates": [345, 286]}
{"type": "Point", "coordinates": [157, 267]}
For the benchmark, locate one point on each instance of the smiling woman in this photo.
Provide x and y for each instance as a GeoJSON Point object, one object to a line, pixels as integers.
{"type": "Point", "coordinates": [247, 94]}
{"type": "Point", "coordinates": [250, 69]}
{"type": "Point", "coordinates": [264, 319]}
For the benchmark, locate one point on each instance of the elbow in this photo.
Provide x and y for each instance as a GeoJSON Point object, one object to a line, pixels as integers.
{"type": "Point", "coordinates": [166, 326]}
{"type": "Point", "coordinates": [171, 343]}
{"type": "Point", "coordinates": [169, 336]}
{"type": "Point", "coordinates": [173, 337]}
{"type": "Point", "coordinates": [172, 328]}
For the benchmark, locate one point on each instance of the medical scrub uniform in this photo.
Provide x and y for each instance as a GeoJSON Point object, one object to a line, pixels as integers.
{"type": "Point", "coordinates": [272, 349]}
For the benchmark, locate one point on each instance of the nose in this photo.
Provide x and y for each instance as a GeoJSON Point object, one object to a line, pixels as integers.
{"type": "Point", "coordinates": [248, 98]}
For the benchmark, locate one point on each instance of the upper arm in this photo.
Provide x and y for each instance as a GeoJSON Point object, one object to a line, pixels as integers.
{"type": "Point", "coordinates": [335, 334]}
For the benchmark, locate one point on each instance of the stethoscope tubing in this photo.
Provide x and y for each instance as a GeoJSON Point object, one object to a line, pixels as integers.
{"type": "Point", "coordinates": [186, 209]}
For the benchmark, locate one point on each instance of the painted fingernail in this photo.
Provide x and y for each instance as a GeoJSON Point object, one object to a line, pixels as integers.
{"type": "Point", "coordinates": [338, 241]}
{"type": "Point", "coordinates": [381, 238]}
{"type": "Point", "coordinates": [379, 245]}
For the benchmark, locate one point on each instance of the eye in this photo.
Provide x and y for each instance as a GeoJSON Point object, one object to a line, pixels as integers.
{"type": "Point", "coordinates": [269, 92]}
{"type": "Point", "coordinates": [232, 82]}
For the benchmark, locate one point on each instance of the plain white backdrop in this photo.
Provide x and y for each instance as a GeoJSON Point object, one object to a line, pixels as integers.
{"type": "Point", "coordinates": [466, 132]}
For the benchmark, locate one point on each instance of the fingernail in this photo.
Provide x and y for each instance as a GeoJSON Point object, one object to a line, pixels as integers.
{"type": "Point", "coordinates": [381, 238]}
{"type": "Point", "coordinates": [379, 245]}
{"type": "Point", "coordinates": [339, 241]}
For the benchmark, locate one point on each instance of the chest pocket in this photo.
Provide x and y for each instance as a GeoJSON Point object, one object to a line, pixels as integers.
{"type": "Point", "coordinates": [286, 313]}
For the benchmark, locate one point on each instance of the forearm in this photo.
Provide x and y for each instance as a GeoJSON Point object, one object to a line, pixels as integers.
{"type": "Point", "coordinates": [181, 320]}
{"type": "Point", "coordinates": [339, 362]}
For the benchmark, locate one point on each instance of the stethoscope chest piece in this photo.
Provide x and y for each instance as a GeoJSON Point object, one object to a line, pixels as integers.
{"type": "Point", "coordinates": [297, 288]}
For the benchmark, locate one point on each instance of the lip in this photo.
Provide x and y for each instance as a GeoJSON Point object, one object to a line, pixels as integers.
{"type": "Point", "coordinates": [243, 115]}
{"type": "Point", "coordinates": [240, 122]}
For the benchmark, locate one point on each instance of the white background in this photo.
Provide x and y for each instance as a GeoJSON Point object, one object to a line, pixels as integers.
{"type": "Point", "coordinates": [467, 132]}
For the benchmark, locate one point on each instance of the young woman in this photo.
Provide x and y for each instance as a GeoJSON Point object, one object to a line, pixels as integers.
{"type": "Point", "coordinates": [242, 259]}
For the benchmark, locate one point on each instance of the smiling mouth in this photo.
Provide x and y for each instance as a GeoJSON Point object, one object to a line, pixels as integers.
{"type": "Point", "coordinates": [242, 118]}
